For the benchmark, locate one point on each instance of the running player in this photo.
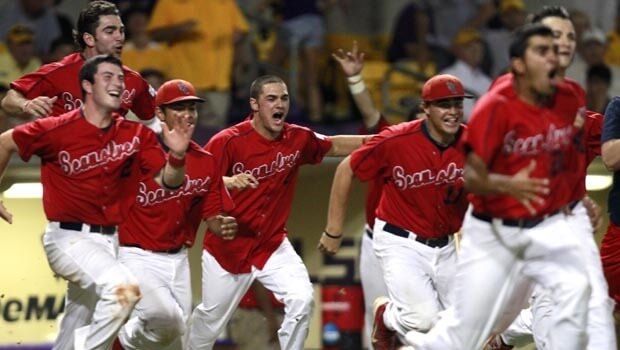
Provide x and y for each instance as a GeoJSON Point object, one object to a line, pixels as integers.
{"type": "Point", "coordinates": [91, 162]}
{"type": "Point", "coordinates": [272, 151]}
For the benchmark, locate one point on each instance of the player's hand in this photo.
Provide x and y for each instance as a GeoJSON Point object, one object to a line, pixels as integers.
{"type": "Point", "coordinates": [178, 138]}
{"type": "Point", "coordinates": [594, 213]}
{"type": "Point", "coordinates": [228, 226]}
{"type": "Point", "coordinates": [240, 182]}
{"type": "Point", "coordinates": [528, 190]}
{"type": "Point", "coordinates": [4, 213]}
{"type": "Point", "coordinates": [40, 106]}
{"type": "Point", "coordinates": [351, 62]}
{"type": "Point", "coordinates": [328, 245]}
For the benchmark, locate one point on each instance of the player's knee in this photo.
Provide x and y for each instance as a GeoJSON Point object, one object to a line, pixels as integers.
{"type": "Point", "coordinates": [165, 324]}
{"type": "Point", "coordinates": [421, 318]}
{"type": "Point", "coordinates": [300, 304]}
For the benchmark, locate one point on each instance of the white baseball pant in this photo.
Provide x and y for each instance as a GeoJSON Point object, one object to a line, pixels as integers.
{"type": "Point", "coordinates": [601, 328]}
{"type": "Point", "coordinates": [284, 274]}
{"type": "Point", "coordinates": [418, 277]}
{"type": "Point", "coordinates": [84, 258]}
{"type": "Point", "coordinates": [160, 317]}
{"type": "Point", "coordinates": [495, 261]}
{"type": "Point", "coordinates": [373, 284]}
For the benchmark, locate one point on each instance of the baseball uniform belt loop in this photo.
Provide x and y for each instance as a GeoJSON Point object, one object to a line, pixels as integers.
{"type": "Point", "coordinates": [77, 226]}
{"type": "Point", "coordinates": [521, 223]}
{"type": "Point", "coordinates": [369, 232]}
{"type": "Point", "coordinates": [167, 251]}
{"type": "Point", "coordinates": [431, 242]}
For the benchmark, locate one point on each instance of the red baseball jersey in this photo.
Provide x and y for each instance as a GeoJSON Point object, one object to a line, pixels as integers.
{"type": "Point", "coordinates": [162, 219]}
{"type": "Point", "coordinates": [373, 192]}
{"type": "Point", "coordinates": [262, 212]}
{"type": "Point", "coordinates": [508, 134]}
{"type": "Point", "coordinates": [422, 181]}
{"type": "Point", "coordinates": [587, 142]}
{"type": "Point", "coordinates": [86, 171]}
{"type": "Point", "coordinates": [611, 261]}
{"type": "Point", "coordinates": [62, 79]}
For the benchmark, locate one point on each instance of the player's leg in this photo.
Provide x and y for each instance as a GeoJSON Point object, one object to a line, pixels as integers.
{"type": "Point", "coordinates": [486, 278]}
{"type": "Point", "coordinates": [79, 306]}
{"type": "Point", "coordinates": [373, 284]}
{"type": "Point", "coordinates": [160, 316]}
{"type": "Point", "coordinates": [287, 277]}
{"type": "Point", "coordinates": [555, 261]}
{"type": "Point", "coordinates": [601, 328]}
{"type": "Point", "coordinates": [221, 293]}
{"type": "Point", "coordinates": [410, 270]}
{"type": "Point", "coordinates": [84, 258]}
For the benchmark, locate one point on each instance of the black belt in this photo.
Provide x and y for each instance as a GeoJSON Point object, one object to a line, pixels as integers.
{"type": "Point", "coordinates": [77, 226]}
{"type": "Point", "coordinates": [431, 242]}
{"type": "Point", "coordinates": [369, 232]}
{"type": "Point", "coordinates": [572, 205]}
{"type": "Point", "coordinates": [167, 251]}
{"type": "Point", "coordinates": [521, 223]}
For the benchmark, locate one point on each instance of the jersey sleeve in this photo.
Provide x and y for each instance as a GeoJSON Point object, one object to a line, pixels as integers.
{"type": "Point", "coordinates": [486, 128]}
{"type": "Point", "coordinates": [34, 84]}
{"type": "Point", "coordinates": [367, 161]}
{"type": "Point", "coordinates": [219, 147]}
{"type": "Point", "coordinates": [33, 138]}
{"type": "Point", "coordinates": [611, 122]}
{"type": "Point", "coordinates": [315, 149]}
{"type": "Point", "coordinates": [218, 199]}
{"type": "Point", "coordinates": [153, 157]}
{"type": "Point", "coordinates": [144, 103]}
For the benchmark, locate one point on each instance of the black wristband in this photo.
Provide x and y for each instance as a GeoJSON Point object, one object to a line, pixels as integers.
{"type": "Point", "coordinates": [331, 236]}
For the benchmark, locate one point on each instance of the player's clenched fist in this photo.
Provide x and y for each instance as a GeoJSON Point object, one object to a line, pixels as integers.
{"type": "Point", "coordinates": [40, 106]}
{"type": "Point", "coordinates": [4, 213]}
{"type": "Point", "coordinates": [223, 226]}
{"type": "Point", "coordinates": [329, 244]}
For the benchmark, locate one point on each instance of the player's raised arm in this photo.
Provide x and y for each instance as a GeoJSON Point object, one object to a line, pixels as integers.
{"type": "Point", "coordinates": [520, 185]}
{"type": "Point", "coordinates": [177, 139]}
{"type": "Point", "coordinates": [352, 63]}
{"type": "Point", "coordinates": [343, 145]}
{"type": "Point", "coordinates": [331, 237]}
{"type": "Point", "coordinates": [7, 147]}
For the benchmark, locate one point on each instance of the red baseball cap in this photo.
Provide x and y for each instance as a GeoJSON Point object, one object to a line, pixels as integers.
{"type": "Point", "coordinates": [176, 90]}
{"type": "Point", "coordinates": [443, 86]}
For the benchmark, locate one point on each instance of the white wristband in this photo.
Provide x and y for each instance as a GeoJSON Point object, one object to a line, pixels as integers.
{"type": "Point", "coordinates": [354, 79]}
{"type": "Point", "coordinates": [357, 88]}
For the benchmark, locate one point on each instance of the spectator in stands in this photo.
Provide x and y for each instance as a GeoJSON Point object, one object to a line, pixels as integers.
{"type": "Point", "coordinates": [39, 15]}
{"type": "Point", "coordinates": [60, 48]}
{"type": "Point", "coordinates": [202, 36]}
{"type": "Point", "coordinates": [408, 42]}
{"type": "Point", "coordinates": [154, 77]}
{"type": "Point", "coordinates": [598, 82]}
{"type": "Point", "coordinates": [612, 55]}
{"type": "Point", "coordinates": [512, 15]}
{"type": "Point", "coordinates": [19, 58]}
{"type": "Point", "coordinates": [140, 50]}
{"type": "Point", "coordinates": [468, 49]}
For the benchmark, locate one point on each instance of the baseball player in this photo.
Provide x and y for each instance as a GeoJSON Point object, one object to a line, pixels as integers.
{"type": "Point", "coordinates": [516, 230]}
{"type": "Point", "coordinates": [54, 89]}
{"type": "Point", "coordinates": [92, 160]}
{"type": "Point", "coordinates": [160, 226]}
{"type": "Point", "coordinates": [373, 285]}
{"type": "Point", "coordinates": [422, 204]}
{"type": "Point", "coordinates": [611, 241]}
{"type": "Point", "coordinates": [272, 151]}
{"type": "Point", "coordinates": [601, 328]}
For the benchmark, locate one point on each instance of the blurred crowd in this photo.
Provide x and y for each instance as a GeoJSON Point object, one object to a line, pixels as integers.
{"type": "Point", "coordinates": [221, 46]}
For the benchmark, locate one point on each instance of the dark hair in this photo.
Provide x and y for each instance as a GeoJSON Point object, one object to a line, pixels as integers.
{"type": "Point", "coordinates": [521, 38]}
{"type": "Point", "coordinates": [257, 85]}
{"type": "Point", "coordinates": [88, 20]}
{"type": "Point", "coordinates": [600, 71]}
{"type": "Point", "coordinates": [550, 11]}
{"type": "Point", "coordinates": [89, 69]}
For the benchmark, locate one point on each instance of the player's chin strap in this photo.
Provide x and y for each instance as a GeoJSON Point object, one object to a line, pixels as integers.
{"type": "Point", "coordinates": [153, 124]}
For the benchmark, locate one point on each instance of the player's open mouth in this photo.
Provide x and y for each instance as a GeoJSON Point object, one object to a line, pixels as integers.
{"type": "Point", "coordinates": [451, 122]}
{"type": "Point", "coordinates": [278, 117]}
{"type": "Point", "coordinates": [115, 93]}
